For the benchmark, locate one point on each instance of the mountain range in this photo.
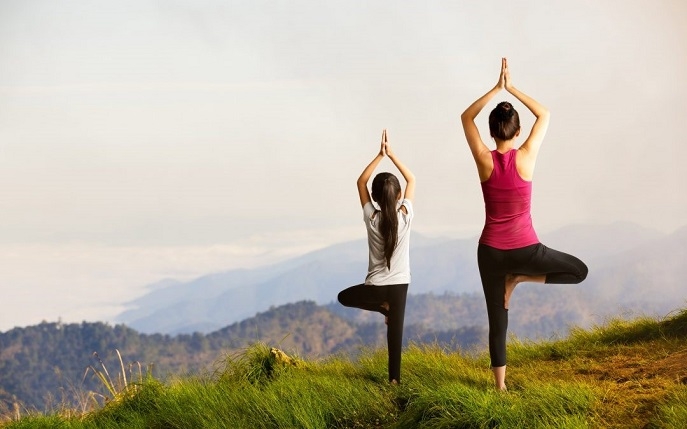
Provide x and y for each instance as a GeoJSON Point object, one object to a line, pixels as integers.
{"type": "Point", "coordinates": [632, 269]}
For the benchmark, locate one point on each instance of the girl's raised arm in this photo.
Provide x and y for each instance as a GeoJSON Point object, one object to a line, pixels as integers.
{"type": "Point", "coordinates": [363, 192]}
{"type": "Point", "coordinates": [405, 171]}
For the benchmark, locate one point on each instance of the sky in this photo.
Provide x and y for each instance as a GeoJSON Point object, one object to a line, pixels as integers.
{"type": "Point", "coordinates": [145, 140]}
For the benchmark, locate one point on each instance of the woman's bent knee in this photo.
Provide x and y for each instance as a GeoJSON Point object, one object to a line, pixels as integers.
{"type": "Point", "coordinates": [583, 271]}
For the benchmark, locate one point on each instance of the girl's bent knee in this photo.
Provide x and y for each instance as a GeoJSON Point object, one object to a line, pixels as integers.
{"type": "Point", "coordinates": [342, 298]}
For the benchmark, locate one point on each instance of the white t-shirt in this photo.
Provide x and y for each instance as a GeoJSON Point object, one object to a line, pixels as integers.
{"type": "Point", "coordinates": [377, 272]}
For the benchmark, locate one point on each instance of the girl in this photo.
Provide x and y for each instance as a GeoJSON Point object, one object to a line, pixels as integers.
{"type": "Point", "coordinates": [388, 238]}
{"type": "Point", "coordinates": [509, 251]}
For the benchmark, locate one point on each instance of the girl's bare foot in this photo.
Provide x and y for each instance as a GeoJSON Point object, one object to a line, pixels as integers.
{"type": "Point", "coordinates": [385, 306]}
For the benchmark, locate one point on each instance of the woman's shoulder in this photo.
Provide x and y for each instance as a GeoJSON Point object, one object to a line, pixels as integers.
{"type": "Point", "coordinates": [524, 164]}
{"type": "Point", "coordinates": [485, 164]}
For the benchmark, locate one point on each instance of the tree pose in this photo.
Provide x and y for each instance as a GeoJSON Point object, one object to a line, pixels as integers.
{"type": "Point", "coordinates": [388, 237]}
{"type": "Point", "coordinates": [509, 251]}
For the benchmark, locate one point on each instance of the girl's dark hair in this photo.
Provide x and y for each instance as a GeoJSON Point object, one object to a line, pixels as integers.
{"type": "Point", "coordinates": [385, 191]}
{"type": "Point", "coordinates": [504, 121]}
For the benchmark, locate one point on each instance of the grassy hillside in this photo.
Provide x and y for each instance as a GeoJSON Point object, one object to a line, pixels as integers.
{"type": "Point", "coordinates": [619, 375]}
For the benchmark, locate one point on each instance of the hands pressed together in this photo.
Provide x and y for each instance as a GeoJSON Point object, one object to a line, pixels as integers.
{"type": "Point", "coordinates": [385, 147]}
{"type": "Point", "coordinates": [504, 77]}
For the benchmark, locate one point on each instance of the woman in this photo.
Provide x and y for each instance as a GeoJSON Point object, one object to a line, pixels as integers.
{"type": "Point", "coordinates": [388, 238]}
{"type": "Point", "coordinates": [509, 251]}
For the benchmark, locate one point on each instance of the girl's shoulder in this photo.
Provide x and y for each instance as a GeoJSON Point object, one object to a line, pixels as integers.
{"type": "Point", "coordinates": [369, 212]}
{"type": "Point", "coordinates": [406, 207]}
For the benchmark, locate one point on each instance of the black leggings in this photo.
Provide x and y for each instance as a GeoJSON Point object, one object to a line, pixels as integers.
{"type": "Point", "coordinates": [534, 260]}
{"type": "Point", "coordinates": [368, 297]}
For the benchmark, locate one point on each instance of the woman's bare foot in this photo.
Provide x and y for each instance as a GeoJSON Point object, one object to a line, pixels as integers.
{"type": "Point", "coordinates": [512, 280]}
{"type": "Point", "coordinates": [500, 378]}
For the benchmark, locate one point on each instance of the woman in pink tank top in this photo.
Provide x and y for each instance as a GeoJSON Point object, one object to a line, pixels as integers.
{"type": "Point", "coordinates": [509, 251]}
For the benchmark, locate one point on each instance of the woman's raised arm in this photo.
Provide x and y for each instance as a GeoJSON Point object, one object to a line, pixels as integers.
{"type": "Point", "coordinates": [533, 142]}
{"type": "Point", "coordinates": [480, 151]}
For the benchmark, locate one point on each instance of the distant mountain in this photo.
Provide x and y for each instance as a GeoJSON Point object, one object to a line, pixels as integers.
{"type": "Point", "coordinates": [625, 262]}
{"type": "Point", "coordinates": [217, 300]}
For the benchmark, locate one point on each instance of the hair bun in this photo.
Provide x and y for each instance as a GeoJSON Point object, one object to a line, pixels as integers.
{"type": "Point", "coordinates": [505, 109]}
{"type": "Point", "coordinates": [504, 121]}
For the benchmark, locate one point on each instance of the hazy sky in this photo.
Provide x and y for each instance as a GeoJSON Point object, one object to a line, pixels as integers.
{"type": "Point", "coordinates": [141, 140]}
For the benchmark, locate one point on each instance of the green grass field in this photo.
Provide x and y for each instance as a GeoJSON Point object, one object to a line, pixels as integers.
{"type": "Point", "coordinates": [623, 374]}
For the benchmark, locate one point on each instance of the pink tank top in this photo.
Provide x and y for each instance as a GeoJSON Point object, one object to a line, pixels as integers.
{"type": "Point", "coordinates": [507, 202]}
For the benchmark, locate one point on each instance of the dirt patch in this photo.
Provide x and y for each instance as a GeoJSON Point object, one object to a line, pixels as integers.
{"type": "Point", "coordinates": [627, 366]}
{"type": "Point", "coordinates": [636, 379]}
{"type": "Point", "coordinates": [673, 367]}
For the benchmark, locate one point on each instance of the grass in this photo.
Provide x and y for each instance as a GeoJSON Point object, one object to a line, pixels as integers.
{"type": "Point", "coordinates": [618, 375]}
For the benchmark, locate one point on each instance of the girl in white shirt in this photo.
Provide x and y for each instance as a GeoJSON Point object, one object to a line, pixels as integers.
{"type": "Point", "coordinates": [388, 237]}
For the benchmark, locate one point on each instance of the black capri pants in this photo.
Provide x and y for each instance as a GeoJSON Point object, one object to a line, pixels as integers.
{"type": "Point", "coordinates": [368, 297]}
{"type": "Point", "coordinates": [534, 260]}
